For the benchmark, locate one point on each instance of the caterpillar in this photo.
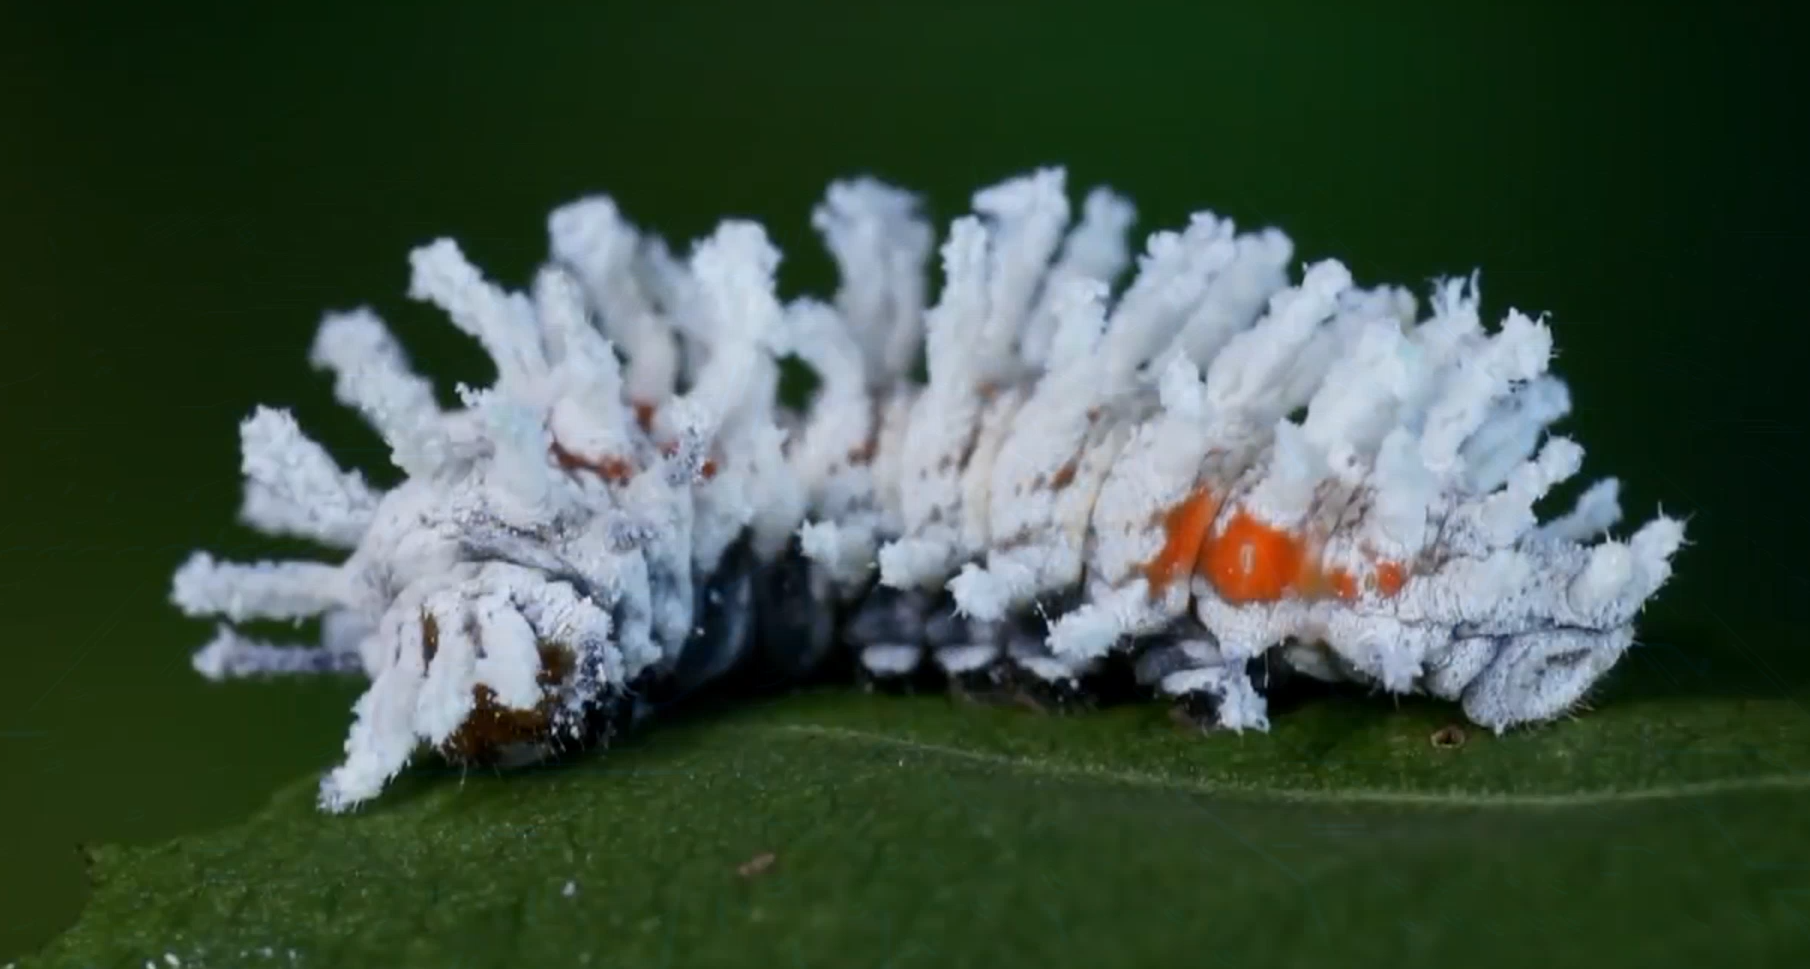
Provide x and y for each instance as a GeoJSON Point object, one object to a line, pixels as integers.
{"type": "Point", "coordinates": [1211, 475]}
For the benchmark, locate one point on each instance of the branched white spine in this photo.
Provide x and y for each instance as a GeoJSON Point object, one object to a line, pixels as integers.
{"type": "Point", "coordinates": [292, 486]}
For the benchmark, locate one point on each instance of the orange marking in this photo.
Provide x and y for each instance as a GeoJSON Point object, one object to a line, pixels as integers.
{"type": "Point", "coordinates": [1314, 582]}
{"type": "Point", "coordinates": [1185, 527]}
{"type": "Point", "coordinates": [644, 414]}
{"type": "Point", "coordinates": [1250, 561]}
{"type": "Point", "coordinates": [1390, 577]}
{"type": "Point", "coordinates": [609, 467]}
{"type": "Point", "coordinates": [671, 448]}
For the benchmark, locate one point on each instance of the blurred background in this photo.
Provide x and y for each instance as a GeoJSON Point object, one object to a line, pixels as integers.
{"type": "Point", "coordinates": [185, 187]}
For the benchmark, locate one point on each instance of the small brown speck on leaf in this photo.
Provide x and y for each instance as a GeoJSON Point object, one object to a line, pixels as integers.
{"type": "Point", "coordinates": [756, 865]}
{"type": "Point", "coordinates": [1449, 736]}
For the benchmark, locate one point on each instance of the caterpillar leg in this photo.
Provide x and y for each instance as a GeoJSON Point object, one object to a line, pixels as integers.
{"type": "Point", "coordinates": [886, 635]}
{"type": "Point", "coordinates": [795, 613]}
{"type": "Point", "coordinates": [1030, 675]}
{"type": "Point", "coordinates": [1209, 690]}
{"type": "Point", "coordinates": [722, 625]}
{"type": "Point", "coordinates": [970, 652]}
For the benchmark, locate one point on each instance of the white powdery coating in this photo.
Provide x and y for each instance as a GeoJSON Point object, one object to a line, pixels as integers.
{"type": "Point", "coordinates": [1200, 434]}
{"type": "Point", "coordinates": [1096, 251]}
{"type": "Point", "coordinates": [589, 415]}
{"type": "Point", "coordinates": [945, 417]}
{"type": "Point", "coordinates": [1422, 444]}
{"type": "Point", "coordinates": [614, 262]}
{"type": "Point", "coordinates": [1024, 218]}
{"type": "Point", "coordinates": [502, 323]}
{"type": "Point", "coordinates": [731, 399]}
{"type": "Point", "coordinates": [1238, 294]}
{"type": "Point", "coordinates": [1031, 469]}
{"type": "Point", "coordinates": [372, 375]}
{"type": "Point", "coordinates": [540, 514]}
{"type": "Point", "coordinates": [1174, 276]}
{"type": "Point", "coordinates": [1070, 444]}
{"type": "Point", "coordinates": [230, 655]}
{"type": "Point", "coordinates": [293, 487]}
{"type": "Point", "coordinates": [257, 590]}
{"type": "Point", "coordinates": [880, 244]}
{"type": "Point", "coordinates": [841, 417]}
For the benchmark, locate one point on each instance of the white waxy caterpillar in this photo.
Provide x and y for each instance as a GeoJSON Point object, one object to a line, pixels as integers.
{"type": "Point", "coordinates": [1216, 475]}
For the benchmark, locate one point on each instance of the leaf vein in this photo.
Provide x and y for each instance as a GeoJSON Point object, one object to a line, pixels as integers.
{"type": "Point", "coordinates": [1508, 800]}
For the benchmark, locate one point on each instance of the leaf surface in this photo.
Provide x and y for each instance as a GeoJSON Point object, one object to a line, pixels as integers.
{"type": "Point", "coordinates": [838, 829]}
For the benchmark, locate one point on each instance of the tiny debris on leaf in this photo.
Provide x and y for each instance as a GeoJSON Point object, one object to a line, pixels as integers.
{"type": "Point", "coordinates": [1448, 737]}
{"type": "Point", "coordinates": [757, 864]}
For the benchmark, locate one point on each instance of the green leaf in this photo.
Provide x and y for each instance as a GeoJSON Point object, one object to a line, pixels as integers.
{"type": "Point", "coordinates": [837, 829]}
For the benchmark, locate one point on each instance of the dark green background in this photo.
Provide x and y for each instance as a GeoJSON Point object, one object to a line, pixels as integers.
{"type": "Point", "coordinates": [184, 191]}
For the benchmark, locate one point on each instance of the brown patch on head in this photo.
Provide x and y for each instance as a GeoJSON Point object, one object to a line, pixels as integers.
{"type": "Point", "coordinates": [490, 726]}
{"type": "Point", "coordinates": [1065, 476]}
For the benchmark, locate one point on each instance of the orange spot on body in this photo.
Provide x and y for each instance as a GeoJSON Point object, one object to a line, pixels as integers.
{"type": "Point", "coordinates": [1185, 527]}
{"type": "Point", "coordinates": [1390, 577]}
{"type": "Point", "coordinates": [1252, 562]}
{"type": "Point", "coordinates": [1385, 578]}
{"type": "Point", "coordinates": [1249, 560]}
